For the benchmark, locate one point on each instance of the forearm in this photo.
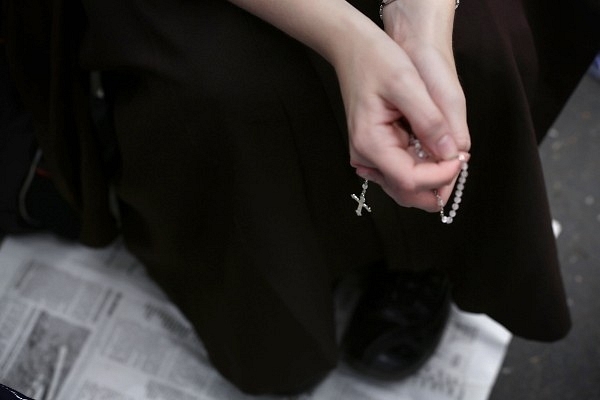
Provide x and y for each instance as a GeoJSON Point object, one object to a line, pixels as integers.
{"type": "Point", "coordinates": [328, 27]}
{"type": "Point", "coordinates": [380, 84]}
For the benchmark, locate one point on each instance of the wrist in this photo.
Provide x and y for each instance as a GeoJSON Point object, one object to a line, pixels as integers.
{"type": "Point", "coordinates": [384, 3]}
{"type": "Point", "coordinates": [420, 24]}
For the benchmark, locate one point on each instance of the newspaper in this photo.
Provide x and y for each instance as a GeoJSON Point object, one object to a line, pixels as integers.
{"type": "Point", "coordinates": [85, 324]}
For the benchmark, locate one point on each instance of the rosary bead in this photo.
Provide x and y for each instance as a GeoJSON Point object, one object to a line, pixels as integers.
{"type": "Point", "coordinates": [460, 185]}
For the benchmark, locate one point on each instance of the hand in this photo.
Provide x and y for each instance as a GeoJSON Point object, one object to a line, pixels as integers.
{"type": "Point", "coordinates": [382, 86]}
{"type": "Point", "coordinates": [424, 30]}
{"type": "Point", "coordinates": [381, 82]}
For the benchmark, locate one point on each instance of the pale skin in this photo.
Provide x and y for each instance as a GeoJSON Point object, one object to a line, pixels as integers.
{"type": "Point", "coordinates": [405, 72]}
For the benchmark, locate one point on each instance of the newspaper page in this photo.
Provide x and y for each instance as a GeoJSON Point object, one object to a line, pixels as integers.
{"type": "Point", "coordinates": [85, 324]}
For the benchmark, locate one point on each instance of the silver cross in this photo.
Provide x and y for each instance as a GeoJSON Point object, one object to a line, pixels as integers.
{"type": "Point", "coordinates": [361, 200]}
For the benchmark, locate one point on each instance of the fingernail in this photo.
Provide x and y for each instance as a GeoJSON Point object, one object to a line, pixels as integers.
{"type": "Point", "coordinates": [446, 148]}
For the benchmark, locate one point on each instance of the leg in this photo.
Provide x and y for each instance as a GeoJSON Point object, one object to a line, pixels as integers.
{"type": "Point", "coordinates": [235, 183]}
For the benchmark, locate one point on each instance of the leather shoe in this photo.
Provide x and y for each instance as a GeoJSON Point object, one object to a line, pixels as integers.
{"type": "Point", "coordinates": [398, 323]}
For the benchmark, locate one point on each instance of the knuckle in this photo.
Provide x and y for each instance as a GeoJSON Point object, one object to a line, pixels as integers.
{"type": "Point", "coordinates": [432, 126]}
{"type": "Point", "coordinates": [359, 145]}
{"type": "Point", "coordinates": [405, 187]}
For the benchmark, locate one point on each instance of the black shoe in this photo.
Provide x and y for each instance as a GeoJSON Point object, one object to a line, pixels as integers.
{"type": "Point", "coordinates": [7, 393]}
{"type": "Point", "coordinates": [397, 324]}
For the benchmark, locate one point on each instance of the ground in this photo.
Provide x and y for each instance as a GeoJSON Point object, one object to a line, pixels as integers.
{"type": "Point", "coordinates": [569, 369]}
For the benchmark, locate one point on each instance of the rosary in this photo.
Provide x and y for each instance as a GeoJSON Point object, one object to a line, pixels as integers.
{"type": "Point", "coordinates": [422, 154]}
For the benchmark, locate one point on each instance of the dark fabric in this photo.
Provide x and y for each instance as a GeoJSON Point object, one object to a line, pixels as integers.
{"type": "Point", "coordinates": [235, 184]}
{"type": "Point", "coordinates": [16, 145]}
{"type": "Point", "coordinates": [28, 199]}
{"type": "Point", "coordinates": [42, 40]}
{"type": "Point", "coordinates": [259, 191]}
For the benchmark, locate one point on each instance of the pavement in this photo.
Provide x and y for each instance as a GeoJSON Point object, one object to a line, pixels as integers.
{"type": "Point", "coordinates": [568, 369]}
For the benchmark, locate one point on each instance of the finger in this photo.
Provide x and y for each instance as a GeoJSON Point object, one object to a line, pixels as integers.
{"type": "Point", "coordinates": [405, 184]}
{"type": "Point", "coordinates": [370, 174]}
{"type": "Point", "coordinates": [365, 148]}
{"type": "Point", "coordinates": [426, 119]}
{"type": "Point", "coordinates": [403, 171]}
{"type": "Point", "coordinates": [441, 80]}
{"type": "Point", "coordinates": [425, 199]}
{"type": "Point", "coordinates": [409, 190]}
{"type": "Point", "coordinates": [413, 175]}
{"type": "Point", "coordinates": [422, 196]}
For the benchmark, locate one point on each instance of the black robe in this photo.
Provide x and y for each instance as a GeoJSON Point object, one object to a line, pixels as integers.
{"type": "Point", "coordinates": [233, 176]}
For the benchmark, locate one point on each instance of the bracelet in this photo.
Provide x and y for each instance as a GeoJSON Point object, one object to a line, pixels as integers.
{"type": "Point", "coordinates": [388, 2]}
{"type": "Point", "coordinates": [383, 4]}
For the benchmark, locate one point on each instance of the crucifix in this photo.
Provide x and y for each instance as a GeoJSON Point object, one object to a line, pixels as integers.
{"type": "Point", "coordinates": [361, 200]}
